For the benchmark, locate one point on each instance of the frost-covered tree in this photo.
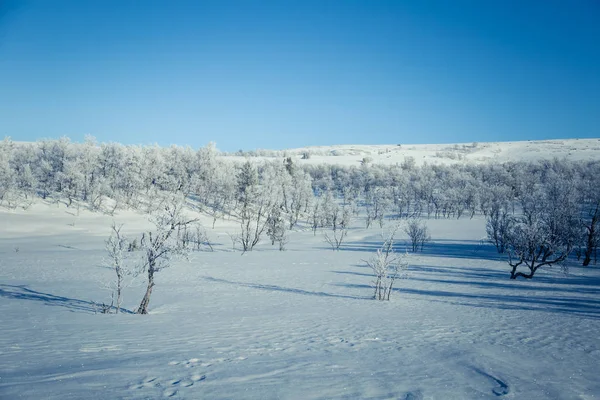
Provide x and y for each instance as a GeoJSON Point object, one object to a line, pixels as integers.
{"type": "Point", "coordinates": [590, 213]}
{"type": "Point", "coordinates": [387, 266]}
{"type": "Point", "coordinates": [254, 203]}
{"type": "Point", "coordinates": [498, 224]}
{"type": "Point", "coordinates": [193, 237]}
{"type": "Point", "coordinates": [316, 218]}
{"type": "Point", "coordinates": [338, 218]}
{"type": "Point", "coordinates": [117, 247]}
{"type": "Point", "coordinates": [161, 245]}
{"type": "Point", "coordinates": [7, 178]}
{"type": "Point", "coordinates": [276, 228]}
{"type": "Point", "coordinates": [418, 234]}
{"type": "Point", "coordinates": [296, 194]}
{"type": "Point", "coordinates": [218, 193]}
{"type": "Point", "coordinates": [545, 231]}
{"type": "Point", "coordinates": [23, 164]}
{"type": "Point", "coordinates": [377, 203]}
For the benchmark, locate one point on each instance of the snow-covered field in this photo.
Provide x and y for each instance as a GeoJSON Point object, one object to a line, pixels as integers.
{"type": "Point", "coordinates": [463, 153]}
{"type": "Point", "coordinates": [298, 324]}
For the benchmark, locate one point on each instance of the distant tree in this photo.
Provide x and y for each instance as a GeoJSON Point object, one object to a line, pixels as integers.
{"type": "Point", "coordinates": [377, 203]}
{"type": "Point", "coordinates": [276, 228]}
{"type": "Point", "coordinates": [338, 220]}
{"type": "Point", "coordinates": [254, 204]}
{"type": "Point", "coordinates": [418, 234]}
{"type": "Point", "coordinates": [590, 212]}
{"type": "Point", "coordinates": [7, 184]}
{"type": "Point", "coordinates": [498, 224]}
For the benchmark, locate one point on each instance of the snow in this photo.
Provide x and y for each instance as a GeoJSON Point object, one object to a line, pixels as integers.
{"type": "Point", "coordinates": [464, 153]}
{"type": "Point", "coordinates": [298, 324]}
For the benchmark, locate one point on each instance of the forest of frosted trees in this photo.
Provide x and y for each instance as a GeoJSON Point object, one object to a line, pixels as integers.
{"type": "Point", "coordinates": [537, 213]}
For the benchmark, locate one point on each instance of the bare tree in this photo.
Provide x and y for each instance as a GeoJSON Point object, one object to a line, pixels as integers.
{"type": "Point", "coordinates": [315, 218]}
{"type": "Point", "coordinates": [254, 206]}
{"type": "Point", "coordinates": [531, 245]}
{"type": "Point", "coordinates": [339, 220]}
{"type": "Point", "coordinates": [418, 233]}
{"type": "Point", "coordinates": [117, 247]}
{"type": "Point", "coordinates": [497, 226]}
{"type": "Point", "coordinates": [546, 231]}
{"type": "Point", "coordinates": [590, 214]}
{"type": "Point", "coordinates": [377, 202]}
{"type": "Point", "coordinates": [591, 235]}
{"type": "Point", "coordinates": [276, 228]}
{"type": "Point", "coordinates": [161, 245]}
{"type": "Point", "coordinates": [193, 237]}
{"type": "Point", "coordinates": [387, 267]}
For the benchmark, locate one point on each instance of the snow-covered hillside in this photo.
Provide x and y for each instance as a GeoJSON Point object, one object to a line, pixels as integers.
{"type": "Point", "coordinates": [298, 324]}
{"type": "Point", "coordinates": [571, 149]}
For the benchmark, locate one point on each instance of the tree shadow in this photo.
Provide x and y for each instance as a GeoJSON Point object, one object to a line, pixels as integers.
{"type": "Point", "coordinates": [583, 307]}
{"type": "Point", "coordinates": [22, 292]}
{"type": "Point", "coordinates": [532, 286]}
{"type": "Point", "coordinates": [467, 249]}
{"type": "Point", "coordinates": [353, 273]}
{"type": "Point", "coordinates": [462, 272]}
{"type": "Point", "coordinates": [575, 295]}
{"type": "Point", "coordinates": [276, 288]}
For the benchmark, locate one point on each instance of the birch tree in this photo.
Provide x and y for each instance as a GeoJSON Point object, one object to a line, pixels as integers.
{"type": "Point", "coordinates": [161, 245]}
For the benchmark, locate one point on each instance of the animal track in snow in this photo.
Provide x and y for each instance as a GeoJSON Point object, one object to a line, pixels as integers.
{"type": "Point", "coordinates": [147, 383]}
{"type": "Point", "coordinates": [173, 387]}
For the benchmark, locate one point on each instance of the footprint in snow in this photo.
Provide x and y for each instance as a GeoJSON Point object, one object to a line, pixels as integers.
{"type": "Point", "coordinates": [146, 383]}
{"type": "Point", "coordinates": [198, 378]}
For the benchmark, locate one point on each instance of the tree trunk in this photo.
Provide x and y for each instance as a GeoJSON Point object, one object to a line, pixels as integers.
{"type": "Point", "coordinates": [515, 275]}
{"type": "Point", "coordinates": [143, 308]}
{"type": "Point", "coordinates": [591, 236]}
{"type": "Point", "coordinates": [119, 290]}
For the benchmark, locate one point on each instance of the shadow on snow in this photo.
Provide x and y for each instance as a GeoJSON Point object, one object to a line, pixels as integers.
{"type": "Point", "coordinates": [276, 288]}
{"type": "Point", "coordinates": [470, 249]}
{"type": "Point", "coordinates": [561, 294]}
{"type": "Point", "coordinates": [22, 292]}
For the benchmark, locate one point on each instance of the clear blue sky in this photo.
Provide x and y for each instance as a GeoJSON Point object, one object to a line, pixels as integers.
{"type": "Point", "coordinates": [281, 74]}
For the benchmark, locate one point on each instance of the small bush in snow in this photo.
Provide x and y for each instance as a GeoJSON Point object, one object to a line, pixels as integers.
{"type": "Point", "coordinates": [117, 247]}
{"type": "Point", "coordinates": [366, 160]}
{"type": "Point", "coordinates": [387, 267]}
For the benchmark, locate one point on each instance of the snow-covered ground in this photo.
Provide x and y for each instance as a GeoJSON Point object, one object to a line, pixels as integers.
{"type": "Point", "coordinates": [465, 153]}
{"type": "Point", "coordinates": [298, 324]}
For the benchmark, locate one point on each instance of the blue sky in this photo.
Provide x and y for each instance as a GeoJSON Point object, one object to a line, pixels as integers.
{"type": "Point", "coordinates": [281, 74]}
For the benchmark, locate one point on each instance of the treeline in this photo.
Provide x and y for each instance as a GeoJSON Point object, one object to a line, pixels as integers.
{"type": "Point", "coordinates": [558, 196]}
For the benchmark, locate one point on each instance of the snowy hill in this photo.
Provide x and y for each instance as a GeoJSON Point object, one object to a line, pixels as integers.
{"type": "Point", "coordinates": [532, 150]}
